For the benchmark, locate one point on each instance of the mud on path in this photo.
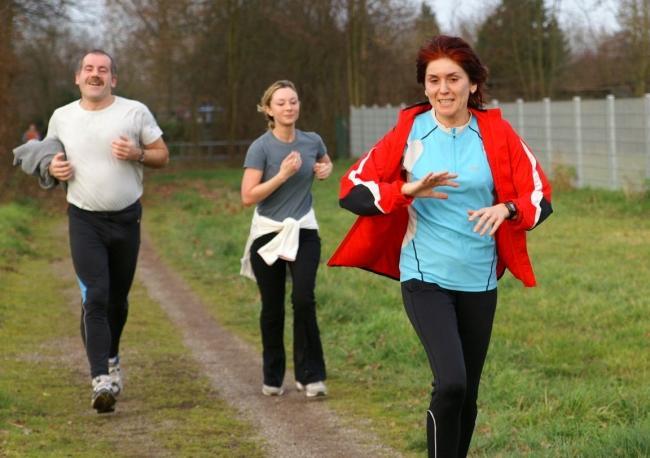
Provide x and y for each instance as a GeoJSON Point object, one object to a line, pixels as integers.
{"type": "Point", "coordinates": [289, 425]}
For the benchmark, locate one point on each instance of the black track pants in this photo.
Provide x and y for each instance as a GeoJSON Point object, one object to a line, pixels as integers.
{"type": "Point", "coordinates": [104, 248]}
{"type": "Point", "coordinates": [454, 328]}
{"type": "Point", "coordinates": [309, 364]}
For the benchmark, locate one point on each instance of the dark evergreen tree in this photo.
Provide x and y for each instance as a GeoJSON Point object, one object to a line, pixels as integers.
{"type": "Point", "coordinates": [524, 48]}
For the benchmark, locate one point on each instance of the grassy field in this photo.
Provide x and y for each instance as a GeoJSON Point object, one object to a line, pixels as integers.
{"type": "Point", "coordinates": [45, 392]}
{"type": "Point", "coordinates": [567, 373]}
{"type": "Point", "coordinates": [568, 369]}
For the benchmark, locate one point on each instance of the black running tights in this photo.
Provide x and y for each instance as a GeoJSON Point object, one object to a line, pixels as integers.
{"type": "Point", "coordinates": [454, 328]}
{"type": "Point", "coordinates": [104, 248]}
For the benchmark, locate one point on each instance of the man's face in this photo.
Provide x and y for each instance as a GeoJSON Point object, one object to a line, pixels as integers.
{"type": "Point", "coordinates": [95, 79]}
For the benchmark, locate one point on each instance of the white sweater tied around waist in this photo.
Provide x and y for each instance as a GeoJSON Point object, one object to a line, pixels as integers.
{"type": "Point", "coordinates": [283, 246]}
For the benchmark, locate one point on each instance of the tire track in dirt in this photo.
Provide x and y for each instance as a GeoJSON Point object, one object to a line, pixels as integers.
{"type": "Point", "coordinates": [290, 425]}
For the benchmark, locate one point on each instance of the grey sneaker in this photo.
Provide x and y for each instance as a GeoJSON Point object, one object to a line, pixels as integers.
{"type": "Point", "coordinates": [103, 398]}
{"type": "Point", "coordinates": [313, 390]}
{"type": "Point", "coordinates": [268, 390]}
{"type": "Point", "coordinates": [115, 374]}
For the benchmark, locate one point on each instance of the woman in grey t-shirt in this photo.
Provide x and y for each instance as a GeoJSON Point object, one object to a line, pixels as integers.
{"type": "Point", "coordinates": [279, 170]}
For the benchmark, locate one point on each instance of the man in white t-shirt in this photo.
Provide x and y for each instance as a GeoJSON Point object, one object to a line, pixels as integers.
{"type": "Point", "coordinates": [107, 141]}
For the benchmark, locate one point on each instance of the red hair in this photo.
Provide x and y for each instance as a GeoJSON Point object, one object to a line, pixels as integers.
{"type": "Point", "coordinates": [456, 49]}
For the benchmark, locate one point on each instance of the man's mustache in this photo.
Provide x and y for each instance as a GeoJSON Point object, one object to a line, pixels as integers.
{"type": "Point", "coordinates": [94, 80]}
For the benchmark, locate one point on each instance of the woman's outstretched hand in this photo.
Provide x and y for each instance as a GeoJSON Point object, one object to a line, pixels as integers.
{"type": "Point", "coordinates": [424, 186]}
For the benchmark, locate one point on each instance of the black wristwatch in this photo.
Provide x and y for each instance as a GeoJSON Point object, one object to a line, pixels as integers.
{"type": "Point", "coordinates": [512, 209]}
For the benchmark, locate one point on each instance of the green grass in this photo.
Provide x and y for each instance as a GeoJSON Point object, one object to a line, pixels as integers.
{"type": "Point", "coordinates": [567, 372]}
{"type": "Point", "coordinates": [15, 232]}
{"type": "Point", "coordinates": [45, 399]}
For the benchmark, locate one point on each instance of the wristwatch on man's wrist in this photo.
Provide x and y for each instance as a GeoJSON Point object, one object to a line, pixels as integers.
{"type": "Point", "coordinates": [141, 158]}
{"type": "Point", "coordinates": [512, 209]}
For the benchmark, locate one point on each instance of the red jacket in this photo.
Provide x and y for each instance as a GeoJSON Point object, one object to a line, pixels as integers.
{"type": "Point", "coordinates": [372, 188]}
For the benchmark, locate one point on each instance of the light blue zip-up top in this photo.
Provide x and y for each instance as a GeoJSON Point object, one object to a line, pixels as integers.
{"type": "Point", "coordinates": [439, 245]}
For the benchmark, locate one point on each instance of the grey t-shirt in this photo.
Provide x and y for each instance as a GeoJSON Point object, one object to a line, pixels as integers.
{"type": "Point", "coordinates": [292, 199]}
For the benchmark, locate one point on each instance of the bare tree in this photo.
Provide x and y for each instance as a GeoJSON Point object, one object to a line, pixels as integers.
{"type": "Point", "coordinates": [17, 20]}
{"type": "Point", "coordinates": [357, 25]}
{"type": "Point", "coordinates": [635, 17]}
{"type": "Point", "coordinates": [7, 75]}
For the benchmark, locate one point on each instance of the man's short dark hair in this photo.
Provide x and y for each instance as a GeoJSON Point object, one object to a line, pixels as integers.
{"type": "Point", "coordinates": [102, 52]}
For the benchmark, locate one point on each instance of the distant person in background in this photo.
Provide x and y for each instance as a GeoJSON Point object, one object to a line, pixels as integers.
{"type": "Point", "coordinates": [279, 170]}
{"type": "Point", "coordinates": [445, 199]}
{"type": "Point", "coordinates": [107, 141]}
{"type": "Point", "coordinates": [31, 133]}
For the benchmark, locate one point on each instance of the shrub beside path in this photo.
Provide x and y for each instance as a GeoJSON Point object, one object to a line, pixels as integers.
{"type": "Point", "coordinates": [289, 425]}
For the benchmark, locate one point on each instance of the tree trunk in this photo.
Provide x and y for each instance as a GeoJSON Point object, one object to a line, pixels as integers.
{"type": "Point", "coordinates": [233, 59]}
{"type": "Point", "coordinates": [357, 52]}
{"type": "Point", "coordinates": [8, 127]}
{"type": "Point", "coordinates": [642, 23]}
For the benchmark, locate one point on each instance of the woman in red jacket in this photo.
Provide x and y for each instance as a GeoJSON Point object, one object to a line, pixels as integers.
{"type": "Point", "coordinates": [445, 199]}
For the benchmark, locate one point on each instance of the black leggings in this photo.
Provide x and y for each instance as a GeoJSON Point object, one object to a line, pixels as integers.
{"type": "Point", "coordinates": [454, 328]}
{"type": "Point", "coordinates": [309, 364]}
{"type": "Point", "coordinates": [104, 248]}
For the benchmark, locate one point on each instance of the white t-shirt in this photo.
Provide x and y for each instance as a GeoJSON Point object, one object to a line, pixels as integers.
{"type": "Point", "coordinates": [102, 182]}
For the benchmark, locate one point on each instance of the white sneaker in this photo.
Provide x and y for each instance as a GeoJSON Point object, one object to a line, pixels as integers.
{"type": "Point", "coordinates": [313, 390]}
{"type": "Point", "coordinates": [103, 398]}
{"type": "Point", "coordinates": [268, 390]}
{"type": "Point", "coordinates": [115, 374]}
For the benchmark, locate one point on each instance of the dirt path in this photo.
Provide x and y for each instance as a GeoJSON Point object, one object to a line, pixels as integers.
{"type": "Point", "coordinates": [290, 425]}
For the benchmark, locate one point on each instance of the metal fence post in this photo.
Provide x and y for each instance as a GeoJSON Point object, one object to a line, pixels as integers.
{"type": "Point", "coordinates": [577, 111]}
{"type": "Point", "coordinates": [520, 117]}
{"type": "Point", "coordinates": [647, 138]}
{"type": "Point", "coordinates": [549, 138]}
{"type": "Point", "coordinates": [611, 129]}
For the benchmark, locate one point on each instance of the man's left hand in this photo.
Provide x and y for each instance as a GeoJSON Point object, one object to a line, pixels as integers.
{"type": "Point", "coordinates": [125, 150]}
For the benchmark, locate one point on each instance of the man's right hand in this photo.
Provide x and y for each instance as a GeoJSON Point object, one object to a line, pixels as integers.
{"type": "Point", "coordinates": [60, 168]}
